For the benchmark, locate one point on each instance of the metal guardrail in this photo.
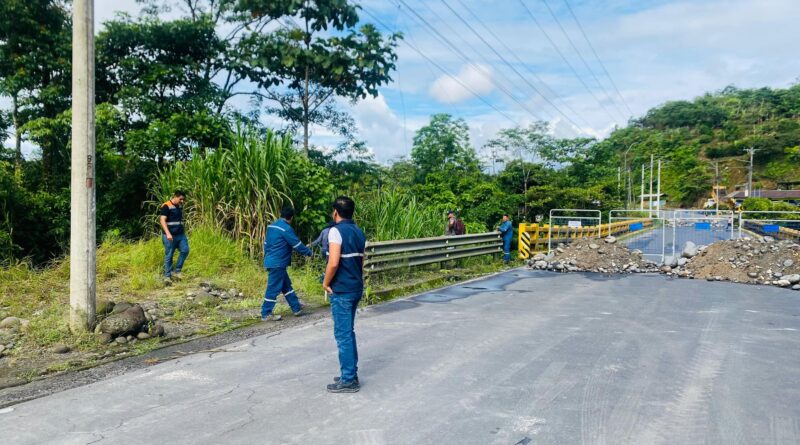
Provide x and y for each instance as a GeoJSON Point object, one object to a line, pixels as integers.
{"type": "Point", "coordinates": [384, 256]}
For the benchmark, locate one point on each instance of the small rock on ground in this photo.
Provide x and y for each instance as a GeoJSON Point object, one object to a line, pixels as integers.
{"type": "Point", "coordinates": [9, 322]}
{"type": "Point", "coordinates": [60, 349]}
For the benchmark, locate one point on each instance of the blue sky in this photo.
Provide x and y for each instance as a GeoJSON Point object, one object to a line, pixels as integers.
{"type": "Point", "coordinates": [654, 51]}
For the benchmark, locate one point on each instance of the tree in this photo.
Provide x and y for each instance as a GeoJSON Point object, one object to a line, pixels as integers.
{"type": "Point", "coordinates": [518, 143]}
{"type": "Point", "coordinates": [34, 63]}
{"type": "Point", "coordinates": [443, 146]}
{"type": "Point", "coordinates": [156, 73]}
{"type": "Point", "coordinates": [304, 66]}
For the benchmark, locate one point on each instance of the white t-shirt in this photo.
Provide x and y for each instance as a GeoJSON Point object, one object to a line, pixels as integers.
{"type": "Point", "coordinates": [334, 236]}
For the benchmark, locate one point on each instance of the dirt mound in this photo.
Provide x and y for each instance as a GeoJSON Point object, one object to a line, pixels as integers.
{"type": "Point", "coordinates": [746, 260]}
{"type": "Point", "coordinates": [593, 255]}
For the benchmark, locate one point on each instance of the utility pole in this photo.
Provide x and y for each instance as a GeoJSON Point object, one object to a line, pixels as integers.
{"type": "Point", "coordinates": [716, 186]}
{"type": "Point", "coordinates": [82, 262]}
{"type": "Point", "coordinates": [650, 196]}
{"type": "Point", "coordinates": [750, 151]}
{"type": "Point", "coordinates": [619, 182]}
{"type": "Point", "coordinates": [658, 192]}
{"type": "Point", "coordinates": [641, 195]}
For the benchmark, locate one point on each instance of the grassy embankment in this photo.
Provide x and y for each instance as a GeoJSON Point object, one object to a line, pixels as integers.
{"type": "Point", "coordinates": [129, 271]}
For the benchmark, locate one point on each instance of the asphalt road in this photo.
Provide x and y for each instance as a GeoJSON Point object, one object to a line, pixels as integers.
{"type": "Point", "coordinates": [522, 358]}
{"type": "Point", "coordinates": [650, 241]}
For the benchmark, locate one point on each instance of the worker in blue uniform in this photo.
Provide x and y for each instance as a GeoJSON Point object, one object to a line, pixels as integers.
{"type": "Point", "coordinates": [278, 245]}
{"type": "Point", "coordinates": [507, 231]}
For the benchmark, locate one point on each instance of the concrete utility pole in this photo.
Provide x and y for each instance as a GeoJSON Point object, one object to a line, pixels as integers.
{"type": "Point", "coordinates": [716, 186]}
{"type": "Point", "coordinates": [751, 151]}
{"type": "Point", "coordinates": [641, 195]}
{"type": "Point", "coordinates": [650, 196]}
{"type": "Point", "coordinates": [658, 192]}
{"type": "Point", "coordinates": [82, 219]}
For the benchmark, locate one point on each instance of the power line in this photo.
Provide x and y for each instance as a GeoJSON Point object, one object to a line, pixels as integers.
{"type": "Point", "coordinates": [440, 38]}
{"type": "Point", "coordinates": [509, 65]}
{"type": "Point", "coordinates": [602, 65]}
{"type": "Point", "coordinates": [440, 68]}
{"type": "Point", "coordinates": [580, 56]}
{"type": "Point", "coordinates": [525, 65]}
{"type": "Point", "coordinates": [467, 59]}
{"type": "Point", "coordinates": [566, 61]}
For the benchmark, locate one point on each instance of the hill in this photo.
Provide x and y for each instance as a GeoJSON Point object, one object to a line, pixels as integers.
{"type": "Point", "coordinates": [691, 136]}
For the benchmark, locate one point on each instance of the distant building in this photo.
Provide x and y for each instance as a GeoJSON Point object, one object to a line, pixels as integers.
{"type": "Point", "coordinates": [790, 196]}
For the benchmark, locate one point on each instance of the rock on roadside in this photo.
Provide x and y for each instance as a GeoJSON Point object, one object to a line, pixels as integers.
{"type": "Point", "coordinates": [131, 320]}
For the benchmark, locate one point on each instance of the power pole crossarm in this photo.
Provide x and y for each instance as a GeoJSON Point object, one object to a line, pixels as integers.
{"type": "Point", "coordinates": [82, 268]}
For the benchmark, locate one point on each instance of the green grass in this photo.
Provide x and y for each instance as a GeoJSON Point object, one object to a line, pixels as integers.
{"type": "Point", "coordinates": [130, 271]}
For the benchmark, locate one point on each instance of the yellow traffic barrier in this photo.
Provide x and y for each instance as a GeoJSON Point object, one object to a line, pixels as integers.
{"type": "Point", "coordinates": [534, 238]}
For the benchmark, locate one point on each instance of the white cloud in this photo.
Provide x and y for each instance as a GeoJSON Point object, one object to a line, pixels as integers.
{"type": "Point", "coordinates": [455, 89]}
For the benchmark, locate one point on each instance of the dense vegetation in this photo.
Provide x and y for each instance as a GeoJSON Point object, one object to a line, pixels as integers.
{"type": "Point", "coordinates": [165, 121]}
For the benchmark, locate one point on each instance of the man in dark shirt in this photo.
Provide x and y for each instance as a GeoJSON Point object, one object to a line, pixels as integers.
{"type": "Point", "coordinates": [174, 236]}
{"type": "Point", "coordinates": [345, 283]}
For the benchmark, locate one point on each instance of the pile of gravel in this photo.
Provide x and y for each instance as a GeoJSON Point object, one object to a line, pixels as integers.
{"type": "Point", "coordinates": [593, 255]}
{"type": "Point", "coordinates": [756, 261]}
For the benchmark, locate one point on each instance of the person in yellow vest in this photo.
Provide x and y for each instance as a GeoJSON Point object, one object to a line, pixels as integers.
{"type": "Point", "coordinates": [174, 236]}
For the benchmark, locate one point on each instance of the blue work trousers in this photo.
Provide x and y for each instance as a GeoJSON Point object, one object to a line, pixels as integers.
{"type": "Point", "coordinates": [343, 309]}
{"type": "Point", "coordinates": [278, 282]}
{"type": "Point", "coordinates": [507, 250]}
{"type": "Point", "coordinates": [179, 243]}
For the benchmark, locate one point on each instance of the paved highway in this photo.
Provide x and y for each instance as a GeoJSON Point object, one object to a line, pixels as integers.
{"type": "Point", "coordinates": [521, 358]}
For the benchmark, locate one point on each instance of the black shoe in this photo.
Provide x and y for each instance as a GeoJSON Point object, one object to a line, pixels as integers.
{"type": "Point", "coordinates": [337, 379]}
{"type": "Point", "coordinates": [344, 387]}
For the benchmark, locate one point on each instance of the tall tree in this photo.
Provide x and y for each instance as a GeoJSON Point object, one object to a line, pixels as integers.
{"type": "Point", "coordinates": [520, 143]}
{"type": "Point", "coordinates": [34, 63]}
{"type": "Point", "coordinates": [304, 66]}
{"type": "Point", "coordinates": [443, 145]}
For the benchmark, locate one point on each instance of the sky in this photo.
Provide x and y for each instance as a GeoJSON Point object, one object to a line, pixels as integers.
{"type": "Point", "coordinates": [585, 66]}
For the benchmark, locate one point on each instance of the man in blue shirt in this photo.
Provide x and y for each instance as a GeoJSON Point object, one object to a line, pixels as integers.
{"type": "Point", "coordinates": [507, 230]}
{"type": "Point", "coordinates": [345, 283]}
{"type": "Point", "coordinates": [278, 246]}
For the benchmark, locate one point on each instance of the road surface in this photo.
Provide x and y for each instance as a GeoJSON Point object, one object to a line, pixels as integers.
{"type": "Point", "coordinates": [521, 358]}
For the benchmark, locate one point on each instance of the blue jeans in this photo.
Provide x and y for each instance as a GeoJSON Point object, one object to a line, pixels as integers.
{"type": "Point", "coordinates": [179, 242]}
{"type": "Point", "coordinates": [278, 282]}
{"type": "Point", "coordinates": [343, 308]}
{"type": "Point", "coordinates": [506, 250]}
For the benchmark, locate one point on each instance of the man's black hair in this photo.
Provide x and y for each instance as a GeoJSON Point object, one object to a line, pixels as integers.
{"type": "Point", "coordinates": [345, 207]}
{"type": "Point", "coordinates": [506, 215]}
{"type": "Point", "coordinates": [287, 212]}
{"type": "Point", "coordinates": [179, 193]}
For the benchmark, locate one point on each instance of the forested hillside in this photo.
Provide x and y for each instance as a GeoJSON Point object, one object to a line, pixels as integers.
{"type": "Point", "coordinates": [691, 136]}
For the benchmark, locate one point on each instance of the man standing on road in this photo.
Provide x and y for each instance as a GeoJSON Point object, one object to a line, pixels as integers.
{"type": "Point", "coordinates": [345, 284]}
{"type": "Point", "coordinates": [174, 237]}
{"type": "Point", "coordinates": [507, 230]}
{"type": "Point", "coordinates": [278, 246]}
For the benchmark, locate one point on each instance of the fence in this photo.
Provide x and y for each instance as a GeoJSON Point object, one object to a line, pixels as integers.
{"type": "Point", "coordinates": [777, 224]}
{"type": "Point", "coordinates": [579, 224]}
{"type": "Point", "coordinates": [648, 235]}
{"type": "Point", "coordinates": [535, 238]}
{"type": "Point", "coordinates": [385, 256]}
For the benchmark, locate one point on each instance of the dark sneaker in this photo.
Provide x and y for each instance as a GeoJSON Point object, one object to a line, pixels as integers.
{"type": "Point", "coordinates": [301, 312]}
{"type": "Point", "coordinates": [167, 281]}
{"type": "Point", "coordinates": [344, 387]}
{"type": "Point", "coordinates": [271, 317]}
{"type": "Point", "coordinates": [337, 379]}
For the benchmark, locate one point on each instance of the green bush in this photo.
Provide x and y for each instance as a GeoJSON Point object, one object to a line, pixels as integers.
{"type": "Point", "coordinates": [242, 188]}
{"type": "Point", "coordinates": [391, 214]}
